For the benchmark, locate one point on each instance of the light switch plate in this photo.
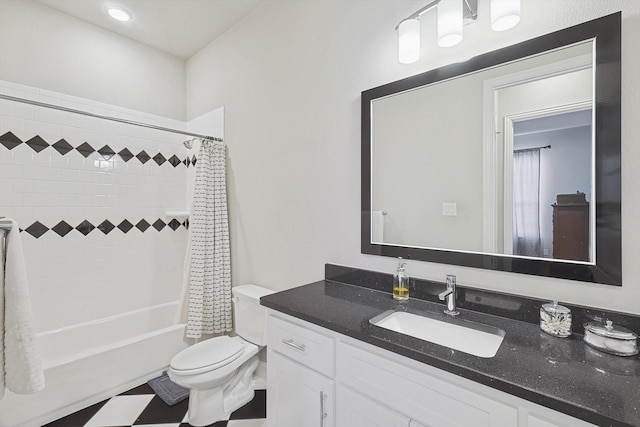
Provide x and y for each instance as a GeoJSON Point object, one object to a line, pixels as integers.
{"type": "Point", "coordinates": [450, 209]}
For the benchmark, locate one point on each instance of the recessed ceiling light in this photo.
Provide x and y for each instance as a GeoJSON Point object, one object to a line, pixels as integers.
{"type": "Point", "coordinates": [119, 13]}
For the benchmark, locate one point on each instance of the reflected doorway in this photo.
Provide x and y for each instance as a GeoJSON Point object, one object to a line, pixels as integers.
{"type": "Point", "coordinates": [551, 182]}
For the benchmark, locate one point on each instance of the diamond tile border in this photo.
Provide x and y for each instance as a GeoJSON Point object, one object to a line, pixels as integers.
{"type": "Point", "coordinates": [38, 144]}
{"type": "Point", "coordinates": [62, 228]}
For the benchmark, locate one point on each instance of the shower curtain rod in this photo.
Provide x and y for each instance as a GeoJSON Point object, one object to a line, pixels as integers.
{"type": "Point", "coordinates": [531, 149]}
{"type": "Point", "coordinates": [113, 119]}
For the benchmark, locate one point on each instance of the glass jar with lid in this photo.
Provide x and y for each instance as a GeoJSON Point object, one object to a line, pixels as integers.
{"type": "Point", "coordinates": [555, 319]}
{"type": "Point", "coordinates": [611, 339]}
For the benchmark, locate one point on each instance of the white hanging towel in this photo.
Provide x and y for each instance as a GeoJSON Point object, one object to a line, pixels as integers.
{"type": "Point", "coordinates": [377, 227]}
{"type": "Point", "coordinates": [210, 258]}
{"type": "Point", "coordinates": [20, 365]}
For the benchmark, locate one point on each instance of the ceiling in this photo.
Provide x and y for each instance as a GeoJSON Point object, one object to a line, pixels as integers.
{"type": "Point", "coordinates": [178, 27]}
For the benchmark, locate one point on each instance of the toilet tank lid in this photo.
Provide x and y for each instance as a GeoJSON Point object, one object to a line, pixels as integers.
{"type": "Point", "coordinates": [251, 292]}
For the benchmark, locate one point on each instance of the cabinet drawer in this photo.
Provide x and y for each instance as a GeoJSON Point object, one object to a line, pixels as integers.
{"type": "Point", "coordinates": [424, 398]}
{"type": "Point", "coordinates": [305, 346]}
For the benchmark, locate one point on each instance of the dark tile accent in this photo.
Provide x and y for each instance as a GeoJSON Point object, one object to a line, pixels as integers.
{"type": "Point", "coordinates": [159, 159]}
{"type": "Point", "coordinates": [85, 149]}
{"type": "Point", "coordinates": [159, 224]}
{"type": "Point", "coordinates": [10, 141]}
{"type": "Point", "coordinates": [125, 154]}
{"type": "Point", "coordinates": [106, 152]}
{"type": "Point", "coordinates": [85, 227]}
{"type": "Point", "coordinates": [125, 226]}
{"type": "Point", "coordinates": [106, 226]}
{"type": "Point", "coordinates": [78, 419]}
{"type": "Point", "coordinates": [158, 412]}
{"type": "Point", "coordinates": [62, 146]}
{"type": "Point", "coordinates": [257, 408]}
{"type": "Point", "coordinates": [143, 157]}
{"type": "Point", "coordinates": [187, 162]}
{"type": "Point", "coordinates": [174, 160]}
{"type": "Point", "coordinates": [36, 229]}
{"type": "Point", "coordinates": [194, 160]}
{"type": "Point", "coordinates": [142, 225]}
{"type": "Point", "coordinates": [186, 223]}
{"type": "Point", "coordinates": [62, 228]}
{"type": "Point", "coordinates": [37, 144]}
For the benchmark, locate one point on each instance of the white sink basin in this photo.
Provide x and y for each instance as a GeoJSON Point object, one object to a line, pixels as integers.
{"type": "Point", "coordinates": [473, 338]}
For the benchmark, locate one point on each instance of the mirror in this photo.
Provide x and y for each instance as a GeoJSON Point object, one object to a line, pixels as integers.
{"type": "Point", "coordinates": [509, 161]}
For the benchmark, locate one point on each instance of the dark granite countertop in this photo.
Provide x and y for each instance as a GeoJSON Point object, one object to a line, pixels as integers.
{"type": "Point", "coordinates": [560, 373]}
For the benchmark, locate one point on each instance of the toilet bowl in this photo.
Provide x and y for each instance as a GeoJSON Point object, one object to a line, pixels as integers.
{"type": "Point", "coordinates": [219, 371]}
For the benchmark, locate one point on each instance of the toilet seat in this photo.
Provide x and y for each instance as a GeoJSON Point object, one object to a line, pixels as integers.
{"type": "Point", "coordinates": [207, 355]}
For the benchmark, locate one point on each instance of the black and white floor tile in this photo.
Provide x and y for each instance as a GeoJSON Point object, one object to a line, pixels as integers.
{"type": "Point", "coordinates": [141, 407]}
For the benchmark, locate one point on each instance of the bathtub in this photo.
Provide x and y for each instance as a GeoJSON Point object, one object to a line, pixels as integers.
{"type": "Point", "coordinates": [89, 362]}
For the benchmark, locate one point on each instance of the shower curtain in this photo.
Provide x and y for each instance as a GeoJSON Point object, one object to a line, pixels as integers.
{"type": "Point", "coordinates": [526, 203]}
{"type": "Point", "coordinates": [209, 266]}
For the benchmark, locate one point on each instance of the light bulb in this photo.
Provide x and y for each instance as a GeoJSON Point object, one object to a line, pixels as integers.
{"type": "Point", "coordinates": [449, 22]}
{"type": "Point", "coordinates": [119, 14]}
{"type": "Point", "coordinates": [409, 41]}
{"type": "Point", "coordinates": [505, 14]}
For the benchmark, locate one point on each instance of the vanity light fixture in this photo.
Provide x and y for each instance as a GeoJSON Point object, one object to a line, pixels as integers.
{"type": "Point", "coordinates": [118, 13]}
{"type": "Point", "coordinates": [505, 14]}
{"type": "Point", "coordinates": [452, 16]}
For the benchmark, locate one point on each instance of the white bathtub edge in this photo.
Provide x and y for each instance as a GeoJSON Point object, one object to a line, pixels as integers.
{"type": "Point", "coordinates": [97, 398]}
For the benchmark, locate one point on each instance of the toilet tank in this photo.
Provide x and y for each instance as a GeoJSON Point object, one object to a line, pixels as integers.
{"type": "Point", "coordinates": [249, 316]}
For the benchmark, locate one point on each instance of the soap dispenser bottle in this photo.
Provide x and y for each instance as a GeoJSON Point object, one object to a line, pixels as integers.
{"type": "Point", "coordinates": [400, 282]}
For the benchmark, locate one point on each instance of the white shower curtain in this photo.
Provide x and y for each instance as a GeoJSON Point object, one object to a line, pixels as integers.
{"type": "Point", "coordinates": [526, 203]}
{"type": "Point", "coordinates": [209, 268]}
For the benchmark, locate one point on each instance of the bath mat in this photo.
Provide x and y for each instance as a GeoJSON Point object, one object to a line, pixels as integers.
{"type": "Point", "coordinates": [170, 392]}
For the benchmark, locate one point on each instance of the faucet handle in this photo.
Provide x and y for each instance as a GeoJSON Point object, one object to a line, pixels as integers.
{"type": "Point", "coordinates": [451, 280]}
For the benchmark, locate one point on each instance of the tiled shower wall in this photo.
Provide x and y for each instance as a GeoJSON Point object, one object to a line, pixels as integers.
{"type": "Point", "coordinates": [91, 198]}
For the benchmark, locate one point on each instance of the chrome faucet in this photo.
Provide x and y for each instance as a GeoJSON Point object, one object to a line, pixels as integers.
{"type": "Point", "coordinates": [450, 295]}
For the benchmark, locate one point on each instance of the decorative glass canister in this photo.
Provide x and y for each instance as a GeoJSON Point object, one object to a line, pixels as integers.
{"type": "Point", "coordinates": [555, 319]}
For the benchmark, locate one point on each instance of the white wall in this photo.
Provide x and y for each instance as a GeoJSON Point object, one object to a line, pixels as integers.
{"type": "Point", "coordinates": [290, 77]}
{"type": "Point", "coordinates": [44, 48]}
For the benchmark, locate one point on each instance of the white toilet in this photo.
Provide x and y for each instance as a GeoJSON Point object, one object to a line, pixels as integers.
{"type": "Point", "coordinates": [219, 370]}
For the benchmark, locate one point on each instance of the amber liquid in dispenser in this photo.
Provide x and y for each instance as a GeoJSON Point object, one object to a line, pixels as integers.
{"type": "Point", "coordinates": [400, 293]}
{"type": "Point", "coordinates": [400, 283]}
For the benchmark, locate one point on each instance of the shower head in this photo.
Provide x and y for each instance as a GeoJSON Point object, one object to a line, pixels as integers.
{"type": "Point", "coordinates": [189, 143]}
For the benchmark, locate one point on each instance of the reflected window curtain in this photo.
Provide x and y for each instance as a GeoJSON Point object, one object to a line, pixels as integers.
{"type": "Point", "coordinates": [209, 271]}
{"type": "Point", "coordinates": [526, 203]}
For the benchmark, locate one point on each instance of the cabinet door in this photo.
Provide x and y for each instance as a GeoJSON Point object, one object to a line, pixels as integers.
{"type": "Point", "coordinates": [296, 395]}
{"type": "Point", "coordinates": [355, 410]}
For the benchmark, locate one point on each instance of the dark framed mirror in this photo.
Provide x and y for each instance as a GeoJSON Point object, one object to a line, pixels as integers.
{"type": "Point", "coordinates": [509, 161]}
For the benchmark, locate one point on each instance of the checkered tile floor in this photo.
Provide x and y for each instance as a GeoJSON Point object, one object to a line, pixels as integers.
{"type": "Point", "coordinates": [141, 407]}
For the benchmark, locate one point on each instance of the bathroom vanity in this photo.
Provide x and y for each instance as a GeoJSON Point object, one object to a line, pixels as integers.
{"type": "Point", "coordinates": [328, 365]}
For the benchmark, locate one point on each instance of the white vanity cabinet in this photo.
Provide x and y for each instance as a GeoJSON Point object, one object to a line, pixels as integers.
{"type": "Point", "coordinates": [300, 373]}
{"type": "Point", "coordinates": [355, 410]}
{"type": "Point", "coordinates": [317, 377]}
